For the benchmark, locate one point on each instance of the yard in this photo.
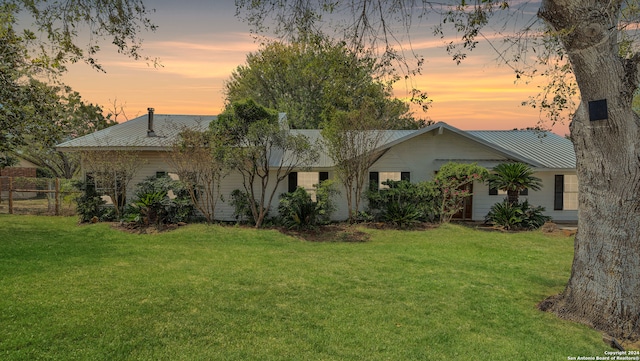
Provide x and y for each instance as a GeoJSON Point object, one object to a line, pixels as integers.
{"type": "Point", "coordinates": [91, 292]}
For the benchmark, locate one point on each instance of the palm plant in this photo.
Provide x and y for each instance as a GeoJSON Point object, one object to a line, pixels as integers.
{"type": "Point", "coordinates": [514, 178]}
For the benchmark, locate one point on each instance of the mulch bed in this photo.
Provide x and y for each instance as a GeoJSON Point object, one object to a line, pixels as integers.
{"type": "Point", "coordinates": [336, 232]}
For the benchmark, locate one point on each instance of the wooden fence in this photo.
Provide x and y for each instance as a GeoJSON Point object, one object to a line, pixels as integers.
{"type": "Point", "coordinates": [13, 188]}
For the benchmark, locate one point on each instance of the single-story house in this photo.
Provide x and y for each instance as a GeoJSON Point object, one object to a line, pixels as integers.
{"type": "Point", "coordinates": [404, 154]}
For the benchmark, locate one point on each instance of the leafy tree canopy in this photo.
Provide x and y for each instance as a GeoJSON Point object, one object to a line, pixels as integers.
{"type": "Point", "coordinates": [61, 115]}
{"type": "Point", "coordinates": [313, 75]}
{"type": "Point", "coordinates": [38, 39]}
{"type": "Point", "coordinates": [514, 178]}
{"type": "Point", "coordinates": [63, 32]}
{"type": "Point", "coordinates": [256, 144]}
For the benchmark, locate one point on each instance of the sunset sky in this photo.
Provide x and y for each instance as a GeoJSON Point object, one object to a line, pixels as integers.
{"type": "Point", "coordinates": [199, 43]}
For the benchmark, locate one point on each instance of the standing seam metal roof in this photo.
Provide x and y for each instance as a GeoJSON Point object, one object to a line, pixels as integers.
{"type": "Point", "coordinates": [539, 149]}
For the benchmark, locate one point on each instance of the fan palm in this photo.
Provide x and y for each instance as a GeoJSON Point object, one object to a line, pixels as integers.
{"type": "Point", "coordinates": [514, 178]}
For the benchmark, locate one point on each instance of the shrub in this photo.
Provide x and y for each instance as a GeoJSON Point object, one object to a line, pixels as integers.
{"type": "Point", "coordinates": [404, 203]}
{"type": "Point", "coordinates": [402, 215]}
{"type": "Point", "coordinates": [454, 181]}
{"type": "Point", "coordinates": [533, 217]}
{"type": "Point", "coordinates": [297, 209]}
{"type": "Point", "coordinates": [149, 208]}
{"type": "Point", "coordinates": [154, 205]}
{"type": "Point", "coordinates": [516, 216]}
{"type": "Point", "coordinates": [241, 207]}
{"type": "Point", "coordinates": [89, 204]}
{"type": "Point", "coordinates": [325, 191]}
{"type": "Point", "coordinates": [505, 215]}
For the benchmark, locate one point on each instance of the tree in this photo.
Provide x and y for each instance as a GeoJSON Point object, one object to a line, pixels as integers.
{"type": "Point", "coordinates": [310, 75]}
{"type": "Point", "coordinates": [64, 115]}
{"type": "Point", "coordinates": [352, 140]}
{"type": "Point", "coordinates": [514, 178]}
{"type": "Point", "coordinates": [195, 158]}
{"type": "Point", "coordinates": [7, 161]}
{"type": "Point", "coordinates": [13, 96]}
{"type": "Point", "coordinates": [263, 150]}
{"type": "Point", "coordinates": [596, 39]}
{"type": "Point", "coordinates": [43, 50]}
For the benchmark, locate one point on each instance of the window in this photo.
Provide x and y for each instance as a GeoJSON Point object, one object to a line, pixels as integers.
{"type": "Point", "coordinates": [376, 178]}
{"type": "Point", "coordinates": [385, 176]}
{"type": "Point", "coordinates": [570, 196]}
{"type": "Point", "coordinates": [306, 180]}
{"type": "Point", "coordinates": [566, 192]}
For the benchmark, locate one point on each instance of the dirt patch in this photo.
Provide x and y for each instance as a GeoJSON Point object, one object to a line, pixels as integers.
{"type": "Point", "coordinates": [329, 233]}
{"type": "Point", "coordinates": [142, 229]}
{"type": "Point", "coordinates": [345, 232]}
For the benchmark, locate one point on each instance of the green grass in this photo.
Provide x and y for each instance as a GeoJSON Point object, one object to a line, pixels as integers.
{"type": "Point", "coordinates": [70, 292]}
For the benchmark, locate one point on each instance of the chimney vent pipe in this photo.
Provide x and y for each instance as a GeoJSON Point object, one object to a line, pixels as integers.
{"type": "Point", "coordinates": [150, 131]}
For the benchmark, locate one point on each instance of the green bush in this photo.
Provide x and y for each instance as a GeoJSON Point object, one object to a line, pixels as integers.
{"type": "Point", "coordinates": [297, 209]}
{"type": "Point", "coordinates": [402, 215]}
{"type": "Point", "coordinates": [325, 192]}
{"type": "Point", "coordinates": [153, 204]}
{"type": "Point", "coordinates": [404, 203]}
{"type": "Point", "coordinates": [89, 204]}
{"type": "Point", "coordinates": [516, 216]}
{"type": "Point", "coordinates": [533, 217]}
{"type": "Point", "coordinates": [241, 207]}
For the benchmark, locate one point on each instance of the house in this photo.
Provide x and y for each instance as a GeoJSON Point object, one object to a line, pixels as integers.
{"type": "Point", "coordinates": [415, 155]}
{"type": "Point", "coordinates": [23, 169]}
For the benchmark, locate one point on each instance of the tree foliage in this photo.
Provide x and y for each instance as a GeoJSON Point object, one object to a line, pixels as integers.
{"type": "Point", "coordinates": [454, 181]}
{"type": "Point", "coordinates": [352, 140]}
{"type": "Point", "coordinates": [64, 32]}
{"type": "Point", "coordinates": [262, 149]}
{"type": "Point", "coordinates": [111, 171]}
{"type": "Point", "coordinates": [62, 115]}
{"type": "Point", "coordinates": [514, 178]}
{"type": "Point", "coordinates": [38, 39]}
{"type": "Point", "coordinates": [311, 75]}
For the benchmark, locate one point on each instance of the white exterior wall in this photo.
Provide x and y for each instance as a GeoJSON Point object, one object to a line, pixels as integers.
{"type": "Point", "coordinates": [422, 156]}
{"type": "Point", "coordinates": [482, 201]}
{"type": "Point", "coordinates": [153, 162]}
{"type": "Point", "coordinates": [150, 163]}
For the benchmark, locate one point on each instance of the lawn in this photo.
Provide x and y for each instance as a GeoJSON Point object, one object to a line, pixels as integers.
{"type": "Point", "coordinates": [91, 292]}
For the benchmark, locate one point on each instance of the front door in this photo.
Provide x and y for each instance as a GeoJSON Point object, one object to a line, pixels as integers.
{"type": "Point", "coordinates": [467, 211]}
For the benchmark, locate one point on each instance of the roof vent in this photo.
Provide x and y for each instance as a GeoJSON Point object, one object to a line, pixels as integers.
{"type": "Point", "coordinates": [150, 132]}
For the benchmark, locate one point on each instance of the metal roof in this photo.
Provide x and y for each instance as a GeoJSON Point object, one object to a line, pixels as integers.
{"type": "Point", "coordinates": [539, 149]}
{"type": "Point", "coordinates": [548, 149]}
{"type": "Point", "coordinates": [133, 133]}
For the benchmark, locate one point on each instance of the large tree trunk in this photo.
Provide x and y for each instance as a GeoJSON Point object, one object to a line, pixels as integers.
{"type": "Point", "coordinates": [604, 288]}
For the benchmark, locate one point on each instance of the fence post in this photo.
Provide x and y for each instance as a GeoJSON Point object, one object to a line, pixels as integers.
{"type": "Point", "coordinates": [10, 195]}
{"type": "Point", "coordinates": [57, 194]}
